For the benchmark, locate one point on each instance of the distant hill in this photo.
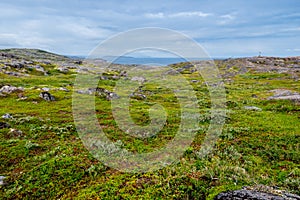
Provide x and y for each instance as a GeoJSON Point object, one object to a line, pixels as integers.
{"type": "Point", "coordinates": [34, 54]}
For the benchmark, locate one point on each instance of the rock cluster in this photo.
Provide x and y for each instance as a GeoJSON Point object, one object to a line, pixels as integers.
{"type": "Point", "coordinates": [102, 92]}
{"type": "Point", "coordinates": [282, 94]}
{"type": "Point", "coordinates": [257, 193]}
{"type": "Point", "coordinates": [7, 89]}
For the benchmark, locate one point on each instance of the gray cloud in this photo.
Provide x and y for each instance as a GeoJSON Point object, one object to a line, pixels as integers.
{"type": "Point", "coordinates": [76, 27]}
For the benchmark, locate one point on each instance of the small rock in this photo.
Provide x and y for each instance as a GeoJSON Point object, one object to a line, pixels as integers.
{"type": "Point", "coordinates": [85, 92]}
{"type": "Point", "coordinates": [195, 81]}
{"type": "Point", "coordinates": [115, 77]}
{"type": "Point", "coordinates": [112, 95]}
{"type": "Point", "coordinates": [123, 73]}
{"type": "Point", "coordinates": [139, 79]}
{"type": "Point", "coordinates": [63, 69]}
{"type": "Point", "coordinates": [4, 125]}
{"type": "Point", "coordinates": [139, 96]}
{"type": "Point", "coordinates": [46, 89]}
{"type": "Point", "coordinates": [64, 89]}
{"type": "Point", "coordinates": [15, 132]}
{"type": "Point", "coordinates": [252, 108]}
{"type": "Point", "coordinates": [21, 96]}
{"type": "Point", "coordinates": [2, 180]}
{"type": "Point", "coordinates": [39, 68]}
{"type": "Point", "coordinates": [79, 62]}
{"type": "Point", "coordinates": [6, 116]}
{"type": "Point", "coordinates": [188, 66]}
{"type": "Point", "coordinates": [103, 78]}
{"type": "Point", "coordinates": [106, 93]}
{"type": "Point", "coordinates": [47, 96]}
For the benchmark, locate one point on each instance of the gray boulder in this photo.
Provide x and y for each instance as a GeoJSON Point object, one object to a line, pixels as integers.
{"type": "Point", "coordinates": [282, 94]}
{"type": "Point", "coordinates": [247, 194]}
{"type": "Point", "coordinates": [10, 89]}
{"type": "Point", "coordinates": [260, 192]}
{"type": "Point", "coordinates": [4, 125]}
{"type": "Point", "coordinates": [6, 116]}
{"type": "Point", "coordinates": [47, 96]}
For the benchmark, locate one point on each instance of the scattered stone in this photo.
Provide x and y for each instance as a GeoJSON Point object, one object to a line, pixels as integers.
{"type": "Point", "coordinates": [15, 132]}
{"type": "Point", "coordinates": [123, 73]}
{"type": "Point", "coordinates": [85, 91]}
{"type": "Point", "coordinates": [63, 69]}
{"type": "Point", "coordinates": [111, 96]}
{"type": "Point", "coordinates": [138, 78]}
{"type": "Point", "coordinates": [100, 92]}
{"type": "Point", "coordinates": [115, 77]}
{"type": "Point", "coordinates": [254, 108]}
{"type": "Point", "coordinates": [17, 74]}
{"type": "Point", "coordinates": [39, 68]}
{"type": "Point", "coordinates": [47, 96]}
{"type": "Point", "coordinates": [195, 81]}
{"type": "Point", "coordinates": [4, 125]}
{"type": "Point", "coordinates": [6, 116]}
{"type": "Point", "coordinates": [10, 89]}
{"type": "Point", "coordinates": [21, 96]}
{"type": "Point", "coordinates": [78, 62]}
{"type": "Point", "coordinates": [103, 78]}
{"type": "Point", "coordinates": [188, 66]}
{"type": "Point", "coordinates": [2, 180]}
{"type": "Point", "coordinates": [45, 89]}
{"type": "Point", "coordinates": [64, 89]}
{"type": "Point", "coordinates": [282, 94]}
{"type": "Point", "coordinates": [136, 95]}
{"type": "Point", "coordinates": [106, 93]}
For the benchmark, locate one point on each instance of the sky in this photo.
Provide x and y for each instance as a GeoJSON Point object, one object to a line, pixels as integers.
{"type": "Point", "coordinates": [225, 28]}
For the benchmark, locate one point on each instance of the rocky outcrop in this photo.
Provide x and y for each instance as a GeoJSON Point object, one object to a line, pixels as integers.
{"type": "Point", "coordinates": [101, 92]}
{"type": "Point", "coordinates": [11, 89]}
{"type": "Point", "coordinates": [282, 94]}
{"type": "Point", "coordinates": [257, 193]}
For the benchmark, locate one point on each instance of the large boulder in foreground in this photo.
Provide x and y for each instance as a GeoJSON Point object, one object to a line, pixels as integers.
{"type": "Point", "coordinates": [257, 193]}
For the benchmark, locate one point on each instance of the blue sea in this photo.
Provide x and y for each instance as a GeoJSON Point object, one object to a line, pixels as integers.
{"type": "Point", "coordinates": [147, 61]}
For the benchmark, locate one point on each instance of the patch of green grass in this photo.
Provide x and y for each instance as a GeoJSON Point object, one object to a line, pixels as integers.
{"type": "Point", "coordinates": [49, 161]}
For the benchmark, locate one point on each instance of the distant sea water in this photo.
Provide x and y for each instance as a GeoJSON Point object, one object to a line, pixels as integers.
{"type": "Point", "coordinates": [148, 60]}
{"type": "Point", "coordinates": [153, 61]}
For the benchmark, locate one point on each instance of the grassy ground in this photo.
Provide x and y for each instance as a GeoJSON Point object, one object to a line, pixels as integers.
{"type": "Point", "coordinates": [48, 160]}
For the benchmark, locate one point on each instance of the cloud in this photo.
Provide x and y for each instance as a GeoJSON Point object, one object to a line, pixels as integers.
{"type": "Point", "coordinates": [161, 15]}
{"type": "Point", "coordinates": [226, 19]}
{"type": "Point", "coordinates": [76, 27]}
{"type": "Point", "coordinates": [293, 50]}
{"type": "Point", "coordinates": [190, 14]}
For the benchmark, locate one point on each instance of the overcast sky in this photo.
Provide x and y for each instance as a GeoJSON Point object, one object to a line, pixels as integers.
{"type": "Point", "coordinates": [225, 28]}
